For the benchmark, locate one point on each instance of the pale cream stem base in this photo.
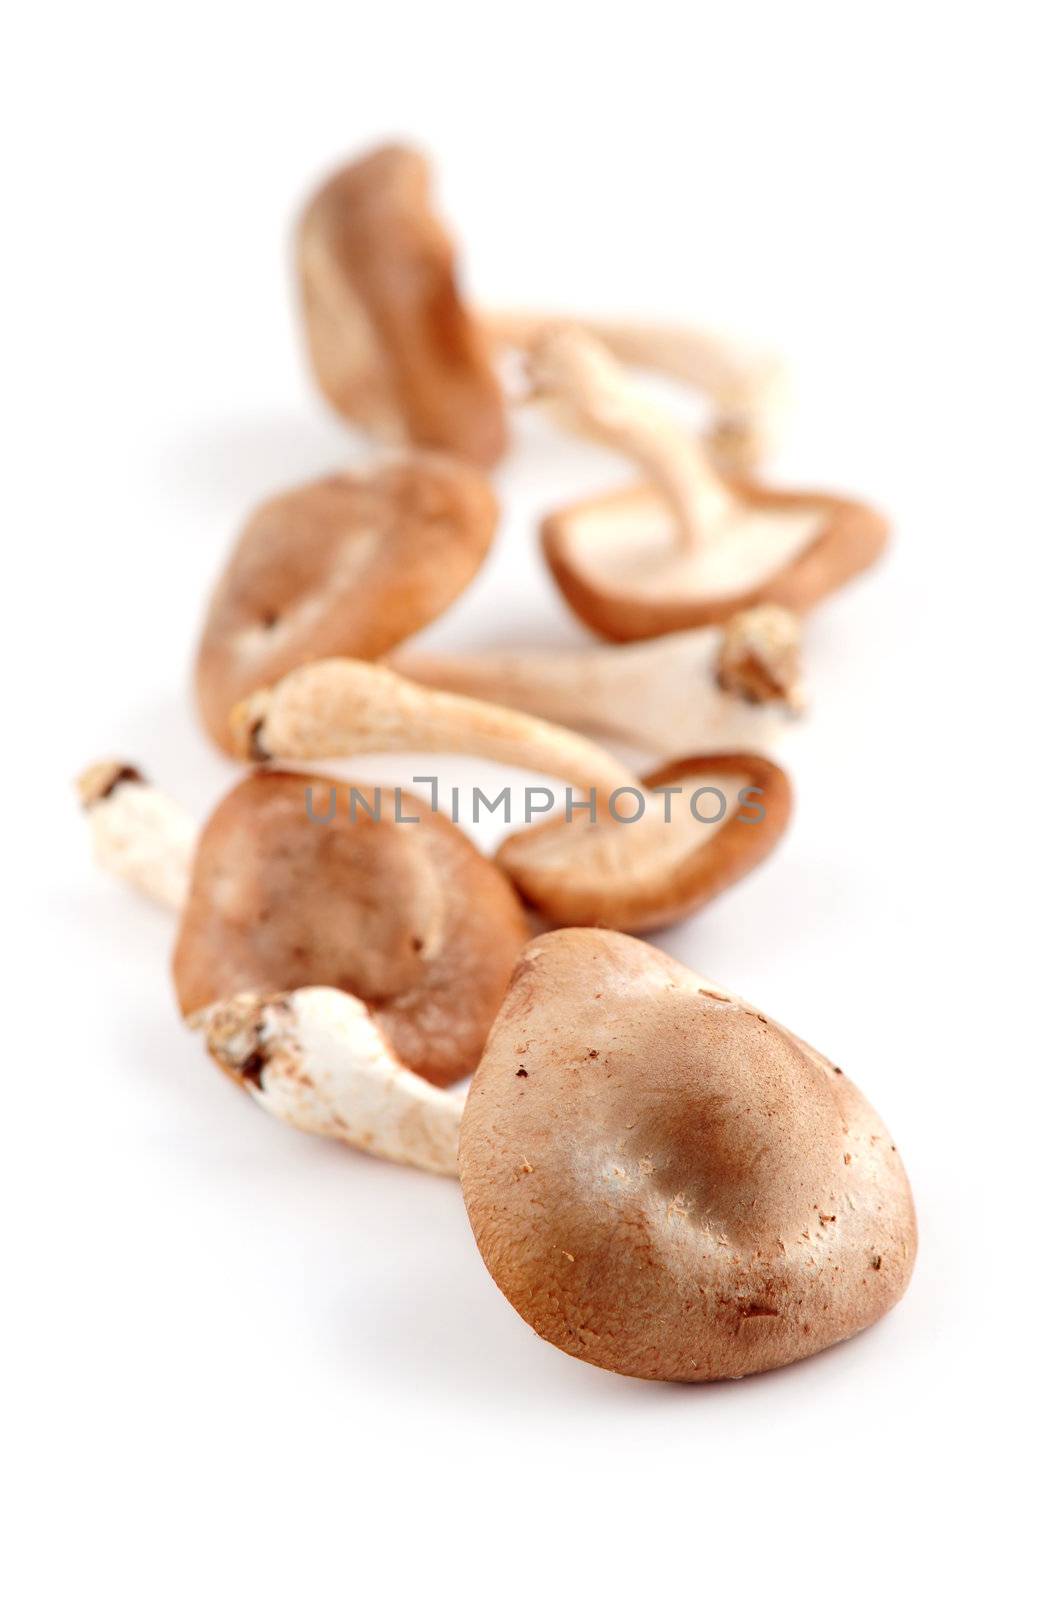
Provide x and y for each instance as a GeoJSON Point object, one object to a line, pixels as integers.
{"type": "Point", "coordinates": [138, 833]}
{"type": "Point", "coordinates": [315, 1058]}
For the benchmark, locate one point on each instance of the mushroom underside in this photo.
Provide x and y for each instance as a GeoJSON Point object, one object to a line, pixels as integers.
{"type": "Point", "coordinates": [725, 813]}
{"type": "Point", "coordinates": [621, 567]}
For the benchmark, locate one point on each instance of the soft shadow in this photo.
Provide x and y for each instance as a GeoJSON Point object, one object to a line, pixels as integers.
{"type": "Point", "coordinates": [432, 1319]}
{"type": "Point", "coordinates": [244, 460]}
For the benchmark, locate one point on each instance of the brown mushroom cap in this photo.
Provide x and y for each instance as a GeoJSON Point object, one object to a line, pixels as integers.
{"type": "Point", "coordinates": [408, 917]}
{"type": "Point", "coordinates": [666, 1183]}
{"type": "Point", "coordinates": [391, 343]}
{"type": "Point", "coordinates": [619, 565]}
{"type": "Point", "coordinates": [648, 872]}
{"type": "Point", "coordinates": [348, 565]}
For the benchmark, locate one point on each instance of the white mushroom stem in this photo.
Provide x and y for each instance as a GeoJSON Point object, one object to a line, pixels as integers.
{"type": "Point", "coordinates": [568, 365]}
{"type": "Point", "coordinates": [702, 689]}
{"type": "Point", "coordinates": [138, 833]}
{"type": "Point", "coordinates": [341, 708]}
{"type": "Point", "coordinates": [744, 386]}
{"type": "Point", "coordinates": [316, 1059]}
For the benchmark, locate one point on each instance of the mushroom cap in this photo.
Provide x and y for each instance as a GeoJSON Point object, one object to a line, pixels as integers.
{"type": "Point", "coordinates": [350, 564]}
{"type": "Point", "coordinates": [617, 560]}
{"type": "Point", "coordinates": [392, 345]}
{"type": "Point", "coordinates": [407, 917]}
{"type": "Point", "coordinates": [649, 872]}
{"type": "Point", "coordinates": [666, 1183]}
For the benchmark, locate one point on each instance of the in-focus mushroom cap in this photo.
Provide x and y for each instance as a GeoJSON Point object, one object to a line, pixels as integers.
{"type": "Point", "coordinates": [647, 873]}
{"type": "Point", "coordinates": [391, 341]}
{"type": "Point", "coordinates": [617, 560]}
{"type": "Point", "coordinates": [665, 1182]}
{"type": "Point", "coordinates": [348, 565]}
{"type": "Point", "coordinates": [408, 917]}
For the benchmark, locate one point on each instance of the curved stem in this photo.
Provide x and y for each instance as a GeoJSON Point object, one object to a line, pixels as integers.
{"type": "Point", "coordinates": [315, 1059]}
{"type": "Point", "coordinates": [342, 707]}
{"type": "Point", "coordinates": [568, 364]}
{"type": "Point", "coordinates": [744, 386]}
{"type": "Point", "coordinates": [699, 689]}
{"type": "Point", "coordinates": [567, 686]}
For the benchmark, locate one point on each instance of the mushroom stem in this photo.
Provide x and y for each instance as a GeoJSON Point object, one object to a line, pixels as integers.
{"type": "Point", "coordinates": [743, 385]}
{"type": "Point", "coordinates": [341, 708]}
{"type": "Point", "coordinates": [315, 1058]}
{"type": "Point", "coordinates": [699, 689]}
{"type": "Point", "coordinates": [137, 832]}
{"type": "Point", "coordinates": [569, 365]}
{"type": "Point", "coordinates": [760, 657]}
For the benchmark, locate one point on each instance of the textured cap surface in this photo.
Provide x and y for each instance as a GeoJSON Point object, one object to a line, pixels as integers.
{"type": "Point", "coordinates": [348, 565]}
{"type": "Point", "coordinates": [665, 1182]}
{"type": "Point", "coordinates": [408, 917]}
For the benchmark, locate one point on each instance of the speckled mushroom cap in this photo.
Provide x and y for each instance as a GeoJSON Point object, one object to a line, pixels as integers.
{"type": "Point", "coordinates": [391, 343]}
{"type": "Point", "coordinates": [616, 560]}
{"type": "Point", "coordinates": [666, 1183]}
{"type": "Point", "coordinates": [647, 873]}
{"type": "Point", "coordinates": [408, 917]}
{"type": "Point", "coordinates": [349, 565]}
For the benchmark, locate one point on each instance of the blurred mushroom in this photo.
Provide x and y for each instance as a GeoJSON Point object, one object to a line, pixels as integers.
{"type": "Point", "coordinates": [744, 387]}
{"type": "Point", "coordinates": [702, 689]}
{"type": "Point", "coordinates": [688, 547]}
{"type": "Point", "coordinates": [138, 833]}
{"type": "Point", "coordinates": [396, 349]}
{"type": "Point", "coordinates": [712, 819]}
{"type": "Point", "coordinates": [630, 859]}
{"type": "Point", "coordinates": [348, 565]}
{"type": "Point", "coordinates": [406, 916]}
{"type": "Point", "coordinates": [392, 346]}
{"type": "Point", "coordinates": [343, 708]}
{"type": "Point", "coordinates": [664, 1182]}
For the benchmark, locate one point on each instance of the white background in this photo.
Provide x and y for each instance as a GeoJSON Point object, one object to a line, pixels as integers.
{"type": "Point", "coordinates": [245, 1362]}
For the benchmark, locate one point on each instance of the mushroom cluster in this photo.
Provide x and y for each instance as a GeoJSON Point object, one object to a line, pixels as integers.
{"type": "Point", "coordinates": [661, 1180]}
